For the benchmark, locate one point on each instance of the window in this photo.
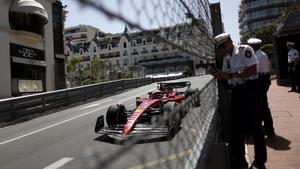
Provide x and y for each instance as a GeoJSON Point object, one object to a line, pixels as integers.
{"type": "Point", "coordinates": [125, 45]}
{"type": "Point", "coordinates": [125, 53]}
{"type": "Point", "coordinates": [81, 51]}
{"type": "Point", "coordinates": [154, 49]}
{"type": "Point", "coordinates": [125, 62]}
{"type": "Point", "coordinates": [135, 52]}
{"type": "Point", "coordinates": [144, 50]}
{"type": "Point", "coordinates": [133, 43]}
{"type": "Point", "coordinates": [57, 28]}
{"type": "Point", "coordinates": [26, 22]}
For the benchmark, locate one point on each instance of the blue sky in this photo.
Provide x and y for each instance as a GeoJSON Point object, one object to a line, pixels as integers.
{"type": "Point", "coordinates": [79, 14]}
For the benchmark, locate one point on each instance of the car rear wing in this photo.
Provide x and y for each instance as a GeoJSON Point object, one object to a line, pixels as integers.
{"type": "Point", "coordinates": [174, 85]}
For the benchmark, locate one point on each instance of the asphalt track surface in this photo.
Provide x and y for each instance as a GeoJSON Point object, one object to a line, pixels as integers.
{"type": "Point", "coordinates": [64, 139]}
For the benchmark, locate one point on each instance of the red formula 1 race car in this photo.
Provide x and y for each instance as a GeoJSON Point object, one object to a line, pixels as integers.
{"type": "Point", "coordinates": [148, 112]}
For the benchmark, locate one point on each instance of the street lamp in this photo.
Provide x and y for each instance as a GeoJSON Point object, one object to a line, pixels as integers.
{"type": "Point", "coordinates": [79, 70]}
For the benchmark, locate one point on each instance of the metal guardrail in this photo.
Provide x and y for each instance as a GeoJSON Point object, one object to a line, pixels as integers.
{"type": "Point", "coordinates": [14, 108]}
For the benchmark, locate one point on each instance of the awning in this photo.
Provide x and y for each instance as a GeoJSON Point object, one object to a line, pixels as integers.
{"type": "Point", "coordinates": [291, 24]}
{"type": "Point", "coordinates": [30, 7]}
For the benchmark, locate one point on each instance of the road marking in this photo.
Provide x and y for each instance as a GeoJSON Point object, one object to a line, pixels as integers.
{"type": "Point", "coordinates": [95, 104]}
{"type": "Point", "coordinates": [163, 160]}
{"type": "Point", "coordinates": [56, 124]}
{"type": "Point", "coordinates": [59, 163]}
{"type": "Point", "coordinates": [131, 105]}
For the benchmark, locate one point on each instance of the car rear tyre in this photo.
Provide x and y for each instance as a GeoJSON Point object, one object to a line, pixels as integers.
{"type": "Point", "coordinates": [173, 120]}
{"type": "Point", "coordinates": [188, 93]}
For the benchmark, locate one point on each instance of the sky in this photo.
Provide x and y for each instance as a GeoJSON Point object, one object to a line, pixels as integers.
{"type": "Point", "coordinates": [78, 14]}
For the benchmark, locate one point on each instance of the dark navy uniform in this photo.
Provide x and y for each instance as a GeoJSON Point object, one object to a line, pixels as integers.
{"type": "Point", "coordinates": [245, 107]}
{"type": "Point", "coordinates": [264, 84]}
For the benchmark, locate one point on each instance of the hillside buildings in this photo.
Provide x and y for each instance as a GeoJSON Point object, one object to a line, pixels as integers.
{"type": "Point", "coordinates": [139, 53]}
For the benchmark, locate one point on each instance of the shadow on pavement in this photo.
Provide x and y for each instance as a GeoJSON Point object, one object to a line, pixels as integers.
{"type": "Point", "coordinates": [111, 140]}
{"type": "Point", "coordinates": [278, 143]}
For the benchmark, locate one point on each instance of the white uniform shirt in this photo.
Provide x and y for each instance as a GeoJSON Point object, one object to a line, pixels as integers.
{"type": "Point", "coordinates": [292, 55]}
{"type": "Point", "coordinates": [263, 61]}
{"type": "Point", "coordinates": [242, 57]}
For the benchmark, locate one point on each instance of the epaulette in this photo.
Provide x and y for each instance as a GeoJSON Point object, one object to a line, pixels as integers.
{"type": "Point", "coordinates": [242, 46]}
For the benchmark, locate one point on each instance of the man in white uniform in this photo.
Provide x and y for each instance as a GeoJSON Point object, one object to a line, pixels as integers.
{"type": "Point", "coordinates": [293, 58]}
{"type": "Point", "coordinates": [264, 84]}
{"type": "Point", "coordinates": [240, 71]}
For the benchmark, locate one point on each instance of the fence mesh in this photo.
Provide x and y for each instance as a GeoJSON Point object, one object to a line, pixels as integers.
{"type": "Point", "coordinates": [185, 25]}
{"type": "Point", "coordinates": [181, 151]}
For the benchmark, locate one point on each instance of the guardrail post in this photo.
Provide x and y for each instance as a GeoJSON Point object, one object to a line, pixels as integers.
{"type": "Point", "coordinates": [12, 109]}
{"type": "Point", "coordinates": [44, 103]}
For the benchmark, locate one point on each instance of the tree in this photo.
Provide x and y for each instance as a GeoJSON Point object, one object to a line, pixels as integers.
{"type": "Point", "coordinates": [73, 63]}
{"type": "Point", "coordinates": [264, 33]}
{"type": "Point", "coordinates": [98, 66]}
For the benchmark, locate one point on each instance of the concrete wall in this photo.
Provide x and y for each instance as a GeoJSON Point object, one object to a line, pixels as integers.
{"type": "Point", "coordinates": [5, 85]}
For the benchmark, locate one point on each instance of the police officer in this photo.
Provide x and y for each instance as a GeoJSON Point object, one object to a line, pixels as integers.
{"type": "Point", "coordinates": [264, 84]}
{"type": "Point", "coordinates": [293, 58]}
{"type": "Point", "coordinates": [240, 71]}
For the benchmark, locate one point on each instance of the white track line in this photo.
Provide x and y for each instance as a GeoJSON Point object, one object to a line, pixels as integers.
{"type": "Point", "coordinates": [56, 124]}
{"type": "Point", "coordinates": [59, 163]}
{"type": "Point", "coordinates": [95, 104]}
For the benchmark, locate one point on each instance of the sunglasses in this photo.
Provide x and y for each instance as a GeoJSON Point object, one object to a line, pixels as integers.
{"type": "Point", "coordinates": [222, 46]}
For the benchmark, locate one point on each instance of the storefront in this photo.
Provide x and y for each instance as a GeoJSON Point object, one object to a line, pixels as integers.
{"type": "Point", "coordinates": [28, 69]}
{"type": "Point", "coordinates": [288, 32]}
{"type": "Point", "coordinates": [31, 47]}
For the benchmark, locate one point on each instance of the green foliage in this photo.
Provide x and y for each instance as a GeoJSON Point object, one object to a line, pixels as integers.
{"type": "Point", "coordinates": [73, 63]}
{"type": "Point", "coordinates": [267, 48]}
{"type": "Point", "coordinates": [264, 33]}
{"type": "Point", "coordinates": [98, 67]}
{"type": "Point", "coordinates": [86, 82]}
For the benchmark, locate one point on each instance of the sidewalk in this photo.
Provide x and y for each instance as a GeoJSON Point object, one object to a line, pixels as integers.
{"type": "Point", "coordinates": [283, 149]}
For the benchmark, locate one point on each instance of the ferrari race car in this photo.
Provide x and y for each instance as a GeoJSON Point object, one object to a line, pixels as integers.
{"type": "Point", "coordinates": [153, 115]}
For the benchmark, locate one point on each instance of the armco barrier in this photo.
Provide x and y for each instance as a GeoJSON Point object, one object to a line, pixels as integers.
{"type": "Point", "coordinates": [14, 108]}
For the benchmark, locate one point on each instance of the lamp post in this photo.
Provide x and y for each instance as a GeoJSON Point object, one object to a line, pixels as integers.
{"type": "Point", "coordinates": [79, 70]}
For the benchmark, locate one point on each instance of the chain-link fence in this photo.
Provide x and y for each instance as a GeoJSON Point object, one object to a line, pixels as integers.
{"type": "Point", "coordinates": [186, 26]}
{"type": "Point", "coordinates": [183, 24]}
{"type": "Point", "coordinates": [188, 147]}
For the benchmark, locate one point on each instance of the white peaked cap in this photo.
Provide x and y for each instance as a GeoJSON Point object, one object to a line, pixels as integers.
{"type": "Point", "coordinates": [221, 38]}
{"type": "Point", "coordinates": [290, 43]}
{"type": "Point", "coordinates": [254, 41]}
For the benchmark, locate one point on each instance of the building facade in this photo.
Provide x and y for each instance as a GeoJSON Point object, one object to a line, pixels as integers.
{"type": "Point", "coordinates": [80, 33]}
{"type": "Point", "coordinates": [256, 13]}
{"type": "Point", "coordinates": [32, 47]}
{"type": "Point", "coordinates": [141, 53]}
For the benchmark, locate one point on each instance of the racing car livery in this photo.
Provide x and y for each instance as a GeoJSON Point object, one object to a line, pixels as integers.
{"type": "Point", "coordinates": [149, 111]}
